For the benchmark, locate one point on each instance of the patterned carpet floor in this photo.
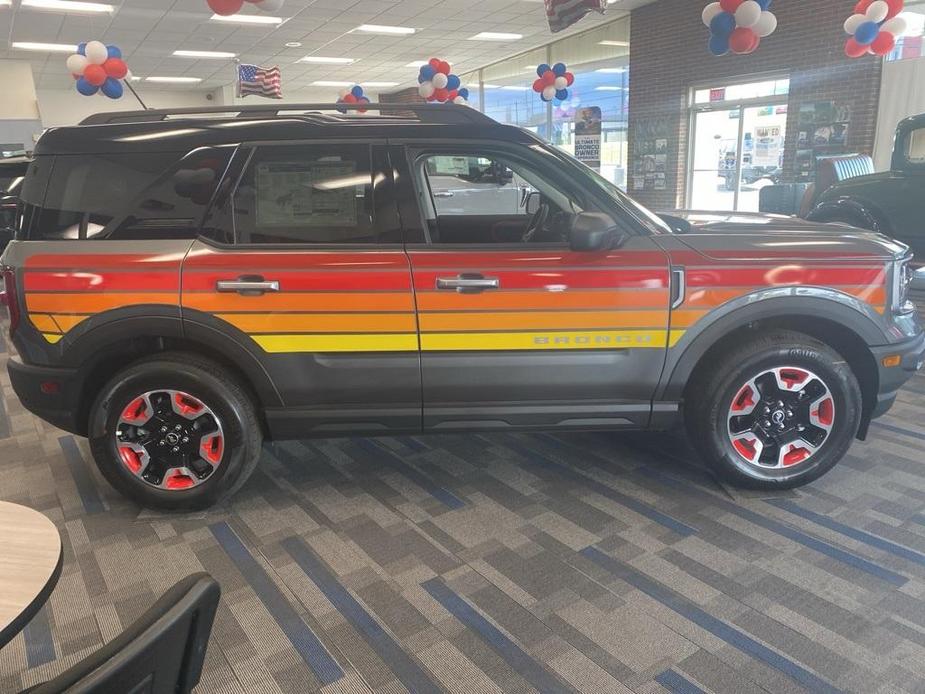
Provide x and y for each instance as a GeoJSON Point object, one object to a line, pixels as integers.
{"type": "Point", "coordinates": [500, 563]}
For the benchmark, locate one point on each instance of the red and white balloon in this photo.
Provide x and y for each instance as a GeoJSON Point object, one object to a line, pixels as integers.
{"type": "Point", "coordinates": [354, 95]}
{"type": "Point", "coordinates": [98, 68]}
{"type": "Point", "coordinates": [874, 27]}
{"type": "Point", "coordinates": [738, 25]}
{"type": "Point", "coordinates": [436, 82]}
{"type": "Point", "coordinates": [227, 8]}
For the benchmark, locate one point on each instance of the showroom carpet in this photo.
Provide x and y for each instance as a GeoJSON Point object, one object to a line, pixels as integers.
{"type": "Point", "coordinates": [511, 563]}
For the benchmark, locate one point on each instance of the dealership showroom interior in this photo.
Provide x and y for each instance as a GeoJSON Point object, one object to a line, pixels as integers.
{"type": "Point", "coordinates": [446, 346]}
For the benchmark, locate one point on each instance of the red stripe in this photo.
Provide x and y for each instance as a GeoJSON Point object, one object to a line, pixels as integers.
{"type": "Point", "coordinates": [528, 259]}
{"type": "Point", "coordinates": [426, 280]}
{"type": "Point", "coordinates": [102, 282]}
{"type": "Point", "coordinates": [303, 260]}
{"type": "Point", "coordinates": [782, 275]}
{"type": "Point", "coordinates": [123, 261]}
{"type": "Point", "coordinates": [308, 281]}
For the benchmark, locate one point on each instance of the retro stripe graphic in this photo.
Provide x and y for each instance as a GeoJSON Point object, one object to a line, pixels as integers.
{"type": "Point", "coordinates": [372, 302]}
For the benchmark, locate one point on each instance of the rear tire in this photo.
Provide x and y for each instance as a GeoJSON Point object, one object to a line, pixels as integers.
{"type": "Point", "coordinates": [733, 396]}
{"type": "Point", "coordinates": [214, 396]}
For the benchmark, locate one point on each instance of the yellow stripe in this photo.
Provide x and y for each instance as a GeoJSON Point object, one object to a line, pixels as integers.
{"type": "Point", "coordinates": [338, 343]}
{"type": "Point", "coordinates": [53, 339]}
{"type": "Point", "coordinates": [590, 339]}
{"type": "Point", "coordinates": [675, 336]}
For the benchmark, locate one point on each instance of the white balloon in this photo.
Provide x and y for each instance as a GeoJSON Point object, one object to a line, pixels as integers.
{"type": "Point", "coordinates": [710, 11]}
{"type": "Point", "coordinates": [440, 80]}
{"type": "Point", "coordinates": [748, 13]}
{"type": "Point", "coordinates": [76, 64]}
{"type": "Point", "coordinates": [853, 22]}
{"type": "Point", "coordinates": [877, 11]}
{"type": "Point", "coordinates": [97, 53]}
{"type": "Point", "coordinates": [269, 5]}
{"type": "Point", "coordinates": [896, 26]}
{"type": "Point", "coordinates": [561, 83]}
{"type": "Point", "coordinates": [461, 100]}
{"type": "Point", "coordinates": [549, 92]}
{"type": "Point", "coordinates": [766, 25]}
{"type": "Point", "coordinates": [426, 89]}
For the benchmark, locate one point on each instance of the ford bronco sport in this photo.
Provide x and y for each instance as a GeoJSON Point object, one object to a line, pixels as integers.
{"type": "Point", "coordinates": [182, 287]}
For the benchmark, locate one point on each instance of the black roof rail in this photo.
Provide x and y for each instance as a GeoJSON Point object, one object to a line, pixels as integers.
{"type": "Point", "coordinates": [445, 114]}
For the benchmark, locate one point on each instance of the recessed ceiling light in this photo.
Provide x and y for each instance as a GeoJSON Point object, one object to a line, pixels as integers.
{"type": "Point", "coordinates": [495, 36]}
{"type": "Point", "coordinates": [327, 60]}
{"type": "Point", "coordinates": [608, 89]}
{"type": "Point", "coordinates": [612, 70]}
{"type": "Point", "coordinates": [68, 6]}
{"type": "Point", "coordinates": [293, 44]}
{"type": "Point", "coordinates": [53, 47]}
{"type": "Point", "coordinates": [203, 54]}
{"type": "Point", "coordinates": [608, 42]}
{"type": "Point", "coordinates": [174, 80]}
{"type": "Point", "coordinates": [383, 29]}
{"type": "Point", "coordinates": [332, 83]}
{"type": "Point", "coordinates": [379, 84]}
{"type": "Point", "coordinates": [247, 19]}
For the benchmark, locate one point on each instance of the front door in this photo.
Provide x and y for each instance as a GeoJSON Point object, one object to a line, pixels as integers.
{"type": "Point", "coordinates": [315, 287]}
{"type": "Point", "coordinates": [516, 329]}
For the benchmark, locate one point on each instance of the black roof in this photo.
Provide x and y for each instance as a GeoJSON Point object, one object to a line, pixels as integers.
{"type": "Point", "coordinates": [182, 130]}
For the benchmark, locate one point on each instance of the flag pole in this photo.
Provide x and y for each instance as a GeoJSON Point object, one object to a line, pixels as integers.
{"type": "Point", "coordinates": [236, 83]}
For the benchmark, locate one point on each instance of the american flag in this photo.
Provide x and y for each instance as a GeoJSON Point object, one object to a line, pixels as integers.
{"type": "Point", "coordinates": [564, 13]}
{"type": "Point", "coordinates": [262, 81]}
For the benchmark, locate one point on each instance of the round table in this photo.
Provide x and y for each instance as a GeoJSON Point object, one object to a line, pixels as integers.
{"type": "Point", "coordinates": [30, 564]}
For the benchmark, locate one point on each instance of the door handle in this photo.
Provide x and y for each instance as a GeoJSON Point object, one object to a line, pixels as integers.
{"type": "Point", "coordinates": [468, 283]}
{"type": "Point", "coordinates": [248, 285]}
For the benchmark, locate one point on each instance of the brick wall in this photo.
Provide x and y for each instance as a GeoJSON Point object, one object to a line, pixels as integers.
{"type": "Point", "coordinates": [668, 53]}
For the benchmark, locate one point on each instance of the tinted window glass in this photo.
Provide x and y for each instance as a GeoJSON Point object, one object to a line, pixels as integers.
{"type": "Point", "coordinates": [916, 151]}
{"type": "Point", "coordinates": [307, 194]}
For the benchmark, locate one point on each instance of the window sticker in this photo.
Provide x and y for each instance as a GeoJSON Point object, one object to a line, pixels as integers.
{"type": "Point", "coordinates": [308, 194]}
{"type": "Point", "coordinates": [451, 166]}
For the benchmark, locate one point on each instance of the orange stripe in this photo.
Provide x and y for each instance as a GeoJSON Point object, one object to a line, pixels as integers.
{"type": "Point", "coordinates": [333, 302]}
{"type": "Point", "coordinates": [44, 323]}
{"type": "Point", "coordinates": [539, 301]}
{"type": "Point", "coordinates": [67, 302]}
{"type": "Point", "coordinates": [564, 320]}
{"type": "Point", "coordinates": [68, 321]}
{"type": "Point", "coordinates": [321, 322]}
{"type": "Point", "coordinates": [686, 318]}
{"type": "Point", "coordinates": [717, 296]}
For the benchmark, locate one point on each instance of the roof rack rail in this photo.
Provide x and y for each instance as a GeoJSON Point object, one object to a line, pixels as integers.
{"type": "Point", "coordinates": [445, 114]}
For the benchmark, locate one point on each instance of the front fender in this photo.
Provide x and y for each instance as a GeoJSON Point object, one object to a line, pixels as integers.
{"type": "Point", "coordinates": [780, 302]}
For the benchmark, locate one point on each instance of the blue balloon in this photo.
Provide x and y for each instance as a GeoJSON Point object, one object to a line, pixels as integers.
{"type": "Point", "coordinates": [114, 51]}
{"type": "Point", "coordinates": [428, 72]}
{"type": "Point", "coordinates": [112, 88]}
{"type": "Point", "coordinates": [86, 88]}
{"type": "Point", "coordinates": [82, 48]}
{"type": "Point", "coordinates": [765, 4]}
{"type": "Point", "coordinates": [452, 82]}
{"type": "Point", "coordinates": [719, 45]}
{"type": "Point", "coordinates": [562, 94]}
{"type": "Point", "coordinates": [542, 69]}
{"type": "Point", "coordinates": [464, 93]}
{"type": "Point", "coordinates": [866, 33]}
{"type": "Point", "coordinates": [559, 69]}
{"type": "Point", "coordinates": [723, 24]}
{"type": "Point", "coordinates": [357, 91]}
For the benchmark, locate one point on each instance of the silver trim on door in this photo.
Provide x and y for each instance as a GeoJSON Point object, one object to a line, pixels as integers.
{"type": "Point", "coordinates": [247, 286]}
{"type": "Point", "coordinates": [464, 283]}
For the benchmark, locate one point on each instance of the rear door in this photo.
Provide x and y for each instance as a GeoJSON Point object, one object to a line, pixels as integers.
{"type": "Point", "coordinates": [516, 328]}
{"type": "Point", "coordinates": [315, 286]}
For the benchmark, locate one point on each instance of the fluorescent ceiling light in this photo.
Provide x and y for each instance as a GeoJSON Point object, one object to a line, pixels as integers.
{"type": "Point", "coordinates": [383, 29]}
{"type": "Point", "coordinates": [418, 63]}
{"type": "Point", "coordinates": [495, 36]}
{"type": "Point", "coordinates": [5, 3]}
{"type": "Point", "coordinates": [247, 19]}
{"type": "Point", "coordinates": [608, 89]}
{"type": "Point", "coordinates": [68, 6]}
{"type": "Point", "coordinates": [203, 54]}
{"type": "Point", "coordinates": [515, 88]}
{"type": "Point", "coordinates": [491, 86]}
{"type": "Point", "coordinates": [332, 83]}
{"type": "Point", "coordinates": [327, 60]}
{"type": "Point", "coordinates": [378, 84]}
{"type": "Point", "coordinates": [608, 42]}
{"type": "Point", "coordinates": [51, 47]}
{"type": "Point", "coordinates": [174, 80]}
{"type": "Point", "coordinates": [612, 70]}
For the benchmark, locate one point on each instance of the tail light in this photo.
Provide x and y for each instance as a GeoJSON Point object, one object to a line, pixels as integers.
{"type": "Point", "coordinates": [9, 298]}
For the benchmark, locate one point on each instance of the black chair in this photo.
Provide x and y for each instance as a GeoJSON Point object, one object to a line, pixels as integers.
{"type": "Point", "coordinates": [162, 652]}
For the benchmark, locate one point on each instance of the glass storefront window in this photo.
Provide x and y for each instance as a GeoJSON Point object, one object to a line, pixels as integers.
{"type": "Point", "coordinates": [912, 43]}
{"type": "Point", "coordinates": [738, 92]}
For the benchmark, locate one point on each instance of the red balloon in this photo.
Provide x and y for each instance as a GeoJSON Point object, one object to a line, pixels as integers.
{"type": "Point", "coordinates": [896, 6]}
{"type": "Point", "coordinates": [569, 78]}
{"type": "Point", "coordinates": [538, 85]}
{"type": "Point", "coordinates": [733, 5]}
{"type": "Point", "coordinates": [115, 68]}
{"type": "Point", "coordinates": [435, 63]}
{"type": "Point", "coordinates": [883, 44]}
{"type": "Point", "coordinates": [95, 75]}
{"type": "Point", "coordinates": [453, 93]}
{"type": "Point", "coordinates": [862, 6]}
{"type": "Point", "coordinates": [853, 49]}
{"type": "Point", "coordinates": [444, 67]}
{"type": "Point", "coordinates": [225, 7]}
{"type": "Point", "coordinates": [441, 94]}
{"type": "Point", "coordinates": [549, 77]}
{"type": "Point", "coordinates": [432, 97]}
{"type": "Point", "coordinates": [350, 99]}
{"type": "Point", "coordinates": [743, 40]}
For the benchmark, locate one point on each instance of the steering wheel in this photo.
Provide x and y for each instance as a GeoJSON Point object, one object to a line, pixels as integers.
{"type": "Point", "coordinates": [537, 222]}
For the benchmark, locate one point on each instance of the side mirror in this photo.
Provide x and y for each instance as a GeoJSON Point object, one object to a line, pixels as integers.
{"type": "Point", "coordinates": [595, 231]}
{"type": "Point", "coordinates": [532, 202]}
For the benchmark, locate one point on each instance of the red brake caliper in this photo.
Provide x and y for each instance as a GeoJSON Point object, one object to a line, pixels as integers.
{"type": "Point", "coordinates": [130, 458]}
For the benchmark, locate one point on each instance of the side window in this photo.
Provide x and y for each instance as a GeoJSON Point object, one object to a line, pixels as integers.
{"type": "Point", "coordinates": [307, 194]}
{"type": "Point", "coordinates": [915, 150]}
{"type": "Point", "coordinates": [483, 198]}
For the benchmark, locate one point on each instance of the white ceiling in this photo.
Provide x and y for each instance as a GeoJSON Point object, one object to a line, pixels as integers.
{"type": "Point", "coordinates": [149, 31]}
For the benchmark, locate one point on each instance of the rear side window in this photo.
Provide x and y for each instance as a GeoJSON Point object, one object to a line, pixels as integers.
{"type": "Point", "coordinates": [915, 150]}
{"type": "Point", "coordinates": [307, 194]}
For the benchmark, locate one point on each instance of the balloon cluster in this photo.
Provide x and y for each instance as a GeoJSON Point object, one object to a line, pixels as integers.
{"type": "Point", "coordinates": [354, 95]}
{"type": "Point", "coordinates": [437, 83]}
{"type": "Point", "coordinates": [874, 27]}
{"type": "Point", "coordinates": [738, 25]}
{"type": "Point", "coordinates": [98, 68]}
{"type": "Point", "coordinates": [553, 82]}
{"type": "Point", "coordinates": [230, 7]}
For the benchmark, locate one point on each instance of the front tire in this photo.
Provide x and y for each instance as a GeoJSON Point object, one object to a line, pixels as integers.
{"type": "Point", "coordinates": [175, 431]}
{"type": "Point", "coordinates": [775, 413]}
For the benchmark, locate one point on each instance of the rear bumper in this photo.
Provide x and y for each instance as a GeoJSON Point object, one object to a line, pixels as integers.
{"type": "Point", "coordinates": [893, 378]}
{"type": "Point", "coordinates": [50, 393]}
